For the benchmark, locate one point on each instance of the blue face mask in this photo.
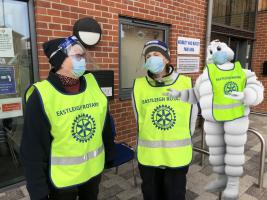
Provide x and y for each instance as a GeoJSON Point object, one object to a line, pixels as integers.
{"type": "Point", "coordinates": [220, 57]}
{"type": "Point", "coordinates": [154, 64]}
{"type": "Point", "coordinates": [78, 67]}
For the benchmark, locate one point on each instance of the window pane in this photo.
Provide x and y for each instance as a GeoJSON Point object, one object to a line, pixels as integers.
{"type": "Point", "coordinates": [133, 39]}
{"type": "Point", "coordinates": [221, 11]}
{"type": "Point", "coordinates": [262, 5]}
{"type": "Point", "coordinates": [236, 13]}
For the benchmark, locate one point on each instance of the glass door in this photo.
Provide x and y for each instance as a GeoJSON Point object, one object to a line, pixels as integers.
{"type": "Point", "coordinates": [242, 50]}
{"type": "Point", "coordinates": [15, 76]}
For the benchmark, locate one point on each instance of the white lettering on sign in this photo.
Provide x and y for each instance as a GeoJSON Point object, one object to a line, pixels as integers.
{"type": "Point", "coordinates": [187, 45]}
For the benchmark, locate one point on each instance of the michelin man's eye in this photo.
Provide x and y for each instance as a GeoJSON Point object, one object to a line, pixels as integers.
{"type": "Point", "coordinates": [210, 51]}
{"type": "Point", "coordinates": [219, 48]}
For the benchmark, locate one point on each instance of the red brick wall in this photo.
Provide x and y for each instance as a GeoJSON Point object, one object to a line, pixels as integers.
{"type": "Point", "coordinates": [260, 55]}
{"type": "Point", "coordinates": [55, 19]}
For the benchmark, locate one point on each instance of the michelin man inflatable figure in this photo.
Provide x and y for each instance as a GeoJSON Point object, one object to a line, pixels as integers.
{"type": "Point", "coordinates": [224, 91]}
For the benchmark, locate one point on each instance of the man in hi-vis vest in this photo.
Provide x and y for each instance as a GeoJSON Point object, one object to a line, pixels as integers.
{"type": "Point", "coordinates": [66, 139]}
{"type": "Point", "coordinates": [164, 149]}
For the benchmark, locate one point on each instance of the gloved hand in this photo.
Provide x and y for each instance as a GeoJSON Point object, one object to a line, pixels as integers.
{"type": "Point", "coordinates": [172, 93]}
{"type": "Point", "coordinates": [236, 96]}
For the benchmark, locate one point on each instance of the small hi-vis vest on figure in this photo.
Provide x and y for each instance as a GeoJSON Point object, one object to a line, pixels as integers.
{"type": "Point", "coordinates": [77, 120]}
{"type": "Point", "coordinates": [223, 83]}
{"type": "Point", "coordinates": [164, 137]}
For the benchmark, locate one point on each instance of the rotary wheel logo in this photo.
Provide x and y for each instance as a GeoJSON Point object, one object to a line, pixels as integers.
{"type": "Point", "coordinates": [163, 117]}
{"type": "Point", "coordinates": [230, 87]}
{"type": "Point", "coordinates": [83, 128]}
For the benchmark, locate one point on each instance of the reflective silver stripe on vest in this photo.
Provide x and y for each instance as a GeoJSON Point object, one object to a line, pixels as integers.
{"type": "Point", "coordinates": [217, 106]}
{"type": "Point", "coordinates": [76, 160]}
{"type": "Point", "coordinates": [164, 144]}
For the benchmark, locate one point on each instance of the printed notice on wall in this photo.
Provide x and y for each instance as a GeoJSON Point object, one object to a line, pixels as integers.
{"type": "Point", "coordinates": [7, 80]}
{"type": "Point", "coordinates": [6, 43]}
{"type": "Point", "coordinates": [188, 64]}
{"type": "Point", "coordinates": [11, 107]}
{"type": "Point", "coordinates": [187, 45]}
{"type": "Point", "coordinates": [107, 91]}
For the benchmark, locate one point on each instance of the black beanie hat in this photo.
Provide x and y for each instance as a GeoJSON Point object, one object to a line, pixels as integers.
{"type": "Point", "coordinates": [157, 45]}
{"type": "Point", "coordinates": [50, 47]}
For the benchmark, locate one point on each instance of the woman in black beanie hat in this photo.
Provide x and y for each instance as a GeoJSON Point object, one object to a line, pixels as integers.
{"type": "Point", "coordinates": [50, 47]}
{"type": "Point", "coordinates": [165, 125]}
{"type": "Point", "coordinates": [66, 138]}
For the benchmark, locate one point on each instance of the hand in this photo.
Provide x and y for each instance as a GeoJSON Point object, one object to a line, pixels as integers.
{"type": "Point", "coordinates": [236, 95]}
{"type": "Point", "coordinates": [172, 93]}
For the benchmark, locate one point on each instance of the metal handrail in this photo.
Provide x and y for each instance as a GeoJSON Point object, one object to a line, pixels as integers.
{"type": "Point", "coordinates": [202, 120]}
{"type": "Point", "coordinates": [262, 153]}
{"type": "Point", "coordinates": [262, 156]}
{"type": "Point", "coordinates": [199, 150]}
{"type": "Point", "coordinates": [258, 113]}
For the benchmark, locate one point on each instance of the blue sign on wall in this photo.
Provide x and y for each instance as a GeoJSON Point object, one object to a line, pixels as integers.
{"type": "Point", "coordinates": [7, 80]}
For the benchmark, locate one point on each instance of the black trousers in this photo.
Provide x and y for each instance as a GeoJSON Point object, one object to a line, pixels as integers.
{"type": "Point", "coordinates": [86, 191]}
{"type": "Point", "coordinates": [167, 184]}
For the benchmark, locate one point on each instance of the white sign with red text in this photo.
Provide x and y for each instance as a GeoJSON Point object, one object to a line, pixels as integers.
{"type": "Point", "coordinates": [11, 107]}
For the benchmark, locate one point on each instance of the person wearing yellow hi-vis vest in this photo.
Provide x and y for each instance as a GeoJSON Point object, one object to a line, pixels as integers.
{"type": "Point", "coordinates": [67, 138]}
{"type": "Point", "coordinates": [165, 126]}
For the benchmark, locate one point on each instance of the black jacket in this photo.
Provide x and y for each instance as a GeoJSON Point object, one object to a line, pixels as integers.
{"type": "Point", "coordinates": [36, 142]}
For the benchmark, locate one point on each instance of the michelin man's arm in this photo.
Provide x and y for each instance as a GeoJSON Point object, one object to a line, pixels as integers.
{"type": "Point", "coordinates": [254, 90]}
{"type": "Point", "coordinates": [192, 95]}
{"type": "Point", "coordinates": [196, 88]}
{"type": "Point", "coordinates": [188, 96]}
{"type": "Point", "coordinates": [185, 95]}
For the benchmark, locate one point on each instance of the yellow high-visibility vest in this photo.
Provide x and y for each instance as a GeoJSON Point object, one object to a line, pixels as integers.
{"type": "Point", "coordinates": [223, 83]}
{"type": "Point", "coordinates": [164, 137]}
{"type": "Point", "coordinates": [77, 120]}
